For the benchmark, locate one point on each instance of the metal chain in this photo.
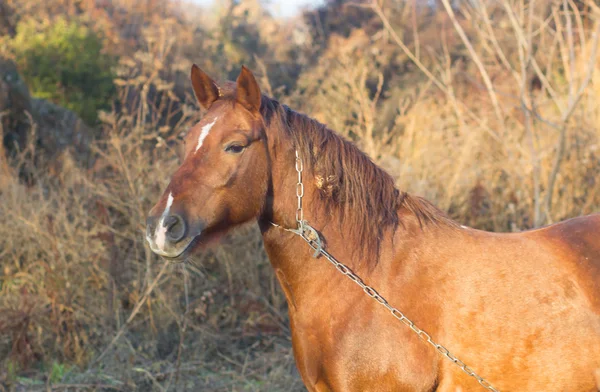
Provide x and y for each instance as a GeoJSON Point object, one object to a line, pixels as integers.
{"type": "Point", "coordinates": [311, 236]}
{"type": "Point", "coordinates": [299, 191]}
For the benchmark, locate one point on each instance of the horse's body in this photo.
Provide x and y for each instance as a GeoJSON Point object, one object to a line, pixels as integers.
{"type": "Point", "coordinates": [522, 310]}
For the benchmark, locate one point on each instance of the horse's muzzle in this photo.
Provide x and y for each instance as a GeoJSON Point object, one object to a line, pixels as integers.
{"type": "Point", "coordinates": [169, 236]}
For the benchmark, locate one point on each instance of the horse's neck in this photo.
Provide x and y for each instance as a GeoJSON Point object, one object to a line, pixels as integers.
{"type": "Point", "coordinates": [291, 257]}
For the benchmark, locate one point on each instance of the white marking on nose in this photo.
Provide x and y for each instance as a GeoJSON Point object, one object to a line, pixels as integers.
{"type": "Point", "coordinates": [204, 133]}
{"type": "Point", "coordinates": [161, 230]}
{"type": "Point", "coordinates": [464, 227]}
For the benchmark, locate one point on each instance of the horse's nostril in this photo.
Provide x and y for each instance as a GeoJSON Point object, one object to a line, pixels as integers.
{"type": "Point", "coordinates": [175, 226]}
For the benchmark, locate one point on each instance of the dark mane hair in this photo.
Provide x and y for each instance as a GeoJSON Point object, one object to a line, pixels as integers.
{"type": "Point", "coordinates": [353, 188]}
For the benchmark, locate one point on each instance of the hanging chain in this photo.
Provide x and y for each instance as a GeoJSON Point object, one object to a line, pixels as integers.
{"type": "Point", "coordinates": [299, 192]}
{"type": "Point", "coordinates": [311, 236]}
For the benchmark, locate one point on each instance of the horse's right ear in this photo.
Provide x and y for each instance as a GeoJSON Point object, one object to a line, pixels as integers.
{"type": "Point", "coordinates": [205, 89]}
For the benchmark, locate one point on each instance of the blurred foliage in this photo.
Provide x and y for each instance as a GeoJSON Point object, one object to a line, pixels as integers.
{"type": "Point", "coordinates": [64, 62]}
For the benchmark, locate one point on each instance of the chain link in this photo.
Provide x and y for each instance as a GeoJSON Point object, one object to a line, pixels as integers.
{"type": "Point", "coordinates": [299, 191]}
{"type": "Point", "coordinates": [311, 236]}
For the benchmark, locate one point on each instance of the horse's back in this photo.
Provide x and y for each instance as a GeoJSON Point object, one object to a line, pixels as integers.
{"type": "Point", "coordinates": [577, 244]}
{"type": "Point", "coordinates": [540, 292]}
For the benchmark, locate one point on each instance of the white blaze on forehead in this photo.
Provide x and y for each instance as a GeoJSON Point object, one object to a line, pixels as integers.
{"type": "Point", "coordinates": [204, 133]}
{"type": "Point", "coordinates": [161, 230]}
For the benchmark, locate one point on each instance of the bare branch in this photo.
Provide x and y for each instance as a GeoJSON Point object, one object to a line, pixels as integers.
{"type": "Point", "coordinates": [386, 24]}
{"type": "Point", "coordinates": [571, 47]}
{"type": "Point", "coordinates": [566, 115]}
{"type": "Point", "coordinates": [492, 35]}
{"type": "Point", "coordinates": [523, 41]}
{"type": "Point", "coordinates": [477, 60]}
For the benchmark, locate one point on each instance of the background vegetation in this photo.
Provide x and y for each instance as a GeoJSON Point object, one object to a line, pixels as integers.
{"type": "Point", "coordinates": [63, 61]}
{"type": "Point", "coordinates": [489, 109]}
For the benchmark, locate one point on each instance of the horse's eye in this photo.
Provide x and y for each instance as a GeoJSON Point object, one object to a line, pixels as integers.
{"type": "Point", "coordinates": [234, 148]}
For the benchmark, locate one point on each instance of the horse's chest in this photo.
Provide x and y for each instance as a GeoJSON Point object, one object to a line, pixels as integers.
{"type": "Point", "coordinates": [354, 355]}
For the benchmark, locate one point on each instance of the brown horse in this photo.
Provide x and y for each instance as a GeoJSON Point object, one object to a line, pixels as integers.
{"type": "Point", "coordinates": [522, 310]}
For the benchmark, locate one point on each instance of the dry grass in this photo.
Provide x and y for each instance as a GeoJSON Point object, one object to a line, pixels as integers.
{"type": "Point", "coordinates": [76, 271]}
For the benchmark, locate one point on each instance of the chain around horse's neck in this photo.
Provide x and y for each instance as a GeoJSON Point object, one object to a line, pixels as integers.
{"type": "Point", "coordinates": [309, 234]}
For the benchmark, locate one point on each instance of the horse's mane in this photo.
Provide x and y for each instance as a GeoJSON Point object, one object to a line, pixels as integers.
{"type": "Point", "coordinates": [353, 189]}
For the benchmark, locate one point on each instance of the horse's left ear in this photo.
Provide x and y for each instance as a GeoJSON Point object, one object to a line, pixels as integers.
{"type": "Point", "coordinates": [248, 92]}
